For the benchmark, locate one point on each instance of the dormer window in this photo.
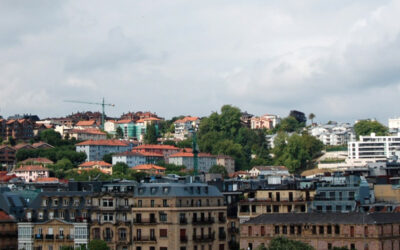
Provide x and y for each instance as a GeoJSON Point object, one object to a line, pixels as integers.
{"type": "Point", "coordinates": [55, 202]}
{"type": "Point", "coordinates": [44, 202]}
{"type": "Point", "coordinates": [165, 190]}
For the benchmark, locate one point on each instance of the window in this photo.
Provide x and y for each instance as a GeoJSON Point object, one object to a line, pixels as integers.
{"type": "Point", "coordinates": [329, 208]}
{"type": "Point", "coordinates": [262, 231]}
{"type": "Point", "coordinates": [352, 246]}
{"type": "Point", "coordinates": [55, 202]}
{"type": "Point", "coordinates": [329, 246]}
{"type": "Point", "coordinates": [122, 234]}
{"type": "Point", "coordinates": [298, 229]}
{"type": "Point", "coordinates": [291, 229]}
{"type": "Point", "coordinates": [250, 231]}
{"type": "Point", "coordinates": [152, 234]}
{"type": "Point", "coordinates": [163, 232]}
{"type": "Point", "coordinates": [165, 204]}
{"type": "Point", "coordinates": [163, 217]}
{"type": "Point", "coordinates": [351, 231]}
{"type": "Point", "coordinates": [366, 231]}
{"type": "Point", "coordinates": [139, 203]}
{"type": "Point", "coordinates": [284, 229]}
{"type": "Point", "coordinates": [329, 229]}
{"type": "Point", "coordinates": [108, 203]}
{"type": "Point", "coordinates": [108, 217]}
{"type": "Point", "coordinates": [338, 208]}
{"type": "Point", "coordinates": [321, 229]}
{"type": "Point", "coordinates": [61, 231]}
{"type": "Point", "coordinates": [314, 229]}
{"type": "Point", "coordinates": [337, 229]}
{"type": "Point", "coordinates": [152, 203]}
{"type": "Point", "coordinates": [276, 229]}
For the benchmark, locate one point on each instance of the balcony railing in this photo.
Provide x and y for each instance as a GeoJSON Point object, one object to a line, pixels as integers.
{"type": "Point", "coordinates": [234, 230]}
{"type": "Point", "coordinates": [183, 221]}
{"type": "Point", "coordinates": [49, 237]}
{"type": "Point", "coordinates": [199, 221]}
{"type": "Point", "coordinates": [145, 239]}
{"type": "Point", "coordinates": [145, 221]}
{"type": "Point", "coordinates": [204, 238]}
{"type": "Point", "coordinates": [39, 236]}
{"type": "Point", "coordinates": [183, 238]}
{"type": "Point", "coordinates": [222, 219]}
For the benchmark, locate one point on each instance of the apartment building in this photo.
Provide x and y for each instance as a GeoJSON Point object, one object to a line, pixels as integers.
{"type": "Point", "coordinates": [31, 172]}
{"type": "Point", "coordinates": [266, 121]}
{"type": "Point", "coordinates": [56, 219]}
{"type": "Point", "coordinates": [344, 194]}
{"type": "Point", "coordinates": [333, 134]}
{"type": "Point", "coordinates": [7, 157]}
{"type": "Point", "coordinates": [179, 216]}
{"type": "Point", "coordinates": [185, 127]}
{"type": "Point", "coordinates": [272, 201]}
{"type": "Point", "coordinates": [95, 150]}
{"type": "Point", "coordinates": [165, 150]}
{"type": "Point", "coordinates": [134, 158]}
{"type": "Point", "coordinates": [205, 161]}
{"type": "Point", "coordinates": [227, 161]}
{"type": "Point", "coordinates": [8, 232]}
{"type": "Point", "coordinates": [374, 147]}
{"type": "Point", "coordinates": [19, 129]}
{"type": "Point", "coordinates": [378, 231]}
{"type": "Point", "coordinates": [100, 165]}
{"type": "Point", "coordinates": [111, 217]}
{"type": "Point", "coordinates": [87, 134]}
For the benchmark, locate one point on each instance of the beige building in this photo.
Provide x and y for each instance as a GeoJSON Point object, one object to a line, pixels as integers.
{"type": "Point", "coordinates": [374, 231]}
{"type": "Point", "coordinates": [260, 202]}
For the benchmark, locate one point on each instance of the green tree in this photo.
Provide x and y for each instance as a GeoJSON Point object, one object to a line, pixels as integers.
{"type": "Point", "coordinates": [169, 142]}
{"type": "Point", "coordinates": [108, 158]}
{"type": "Point", "coordinates": [151, 134]}
{"type": "Point", "coordinates": [282, 243]}
{"type": "Point", "coordinates": [366, 127]}
{"type": "Point", "coordinates": [218, 169]}
{"type": "Point", "coordinates": [98, 245]}
{"type": "Point", "coordinates": [67, 248]}
{"type": "Point", "coordinates": [311, 117]}
{"type": "Point", "coordinates": [289, 124]}
{"type": "Point", "coordinates": [121, 168]}
{"type": "Point", "coordinates": [51, 137]}
{"type": "Point", "coordinates": [61, 167]}
{"type": "Point", "coordinates": [297, 151]}
{"type": "Point", "coordinates": [187, 143]}
{"type": "Point", "coordinates": [340, 248]}
{"type": "Point", "coordinates": [119, 133]}
{"type": "Point", "coordinates": [11, 141]}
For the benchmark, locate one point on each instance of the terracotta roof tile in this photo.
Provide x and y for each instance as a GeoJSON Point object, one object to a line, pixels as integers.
{"type": "Point", "coordinates": [47, 180]}
{"type": "Point", "coordinates": [91, 131]}
{"type": "Point", "coordinates": [155, 146]}
{"type": "Point", "coordinates": [38, 160]}
{"type": "Point", "coordinates": [86, 123]}
{"type": "Point", "coordinates": [187, 154]}
{"type": "Point", "coordinates": [103, 143]}
{"type": "Point", "coordinates": [148, 167]}
{"type": "Point", "coordinates": [31, 168]}
{"type": "Point", "coordinates": [93, 163]}
{"type": "Point", "coordinates": [124, 121]}
{"type": "Point", "coordinates": [5, 217]}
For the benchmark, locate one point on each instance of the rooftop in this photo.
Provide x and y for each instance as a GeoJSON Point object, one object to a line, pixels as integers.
{"type": "Point", "coordinates": [103, 143]}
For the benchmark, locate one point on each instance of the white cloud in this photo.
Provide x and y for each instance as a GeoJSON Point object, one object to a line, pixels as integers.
{"type": "Point", "coordinates": [336, 59]}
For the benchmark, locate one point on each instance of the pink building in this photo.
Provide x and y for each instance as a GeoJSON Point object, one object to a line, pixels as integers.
{"type": "Point", "coordinates": [31, 172]}
{"type": "Point", "coordinates": [266, 121]}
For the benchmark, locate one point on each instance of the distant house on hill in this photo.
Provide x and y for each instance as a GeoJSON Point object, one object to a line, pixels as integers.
{"type": "Point", "coordinates": [268, 170]}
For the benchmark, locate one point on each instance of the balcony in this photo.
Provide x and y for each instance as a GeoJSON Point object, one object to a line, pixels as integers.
{"type": "Point", "coordinates": [204, 238]}
{"type": "Point", "coordinates": [183, 238]}
{"type": "Point", "coordinates": [199, 221]}
{"type": "Point", "coordinates": [222, 219]}
{"type": "Point", "coordinates": [147, 221]}
{"type": "Point", "coordinates": [183, 221]}
{"type": "Point", "coordinates": [233, 230]}
{"type": "Point", "coordinates": [145, 239]}
{"type": "Point", "coordinates": [49, 237]}
{"type": "Point", "coordinates": [39, 236]}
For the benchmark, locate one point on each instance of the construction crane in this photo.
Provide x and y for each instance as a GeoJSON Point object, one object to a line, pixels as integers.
{"type": "Point", "coordinates": [96, 103]}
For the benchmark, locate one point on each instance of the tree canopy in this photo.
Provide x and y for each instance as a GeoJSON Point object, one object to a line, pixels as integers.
{"type": "Point", "coordinates": [282, 243]}
{"type": "Point", "coordinates": [218, 169]}
{"type": "Point", "coordinates": [98, 245]}
{"type": "Point", "coordinates": [366, 127]}
{"type": "Point", "coordinates": [223, 133]}
{"type": "Point", "coordinates": [296, 152]}
{"type": "Point", "coordinates": [151, 134]}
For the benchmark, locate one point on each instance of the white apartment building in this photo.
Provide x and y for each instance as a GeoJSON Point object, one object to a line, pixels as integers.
{"type": "Point", "coordinates": [333, 134]}
{"type": "Point", "coordinates": [185, 126]}
{"type": "Point", "coordinates": [95, 150]}
{"type": "Point", "coordinates": [374, 147]}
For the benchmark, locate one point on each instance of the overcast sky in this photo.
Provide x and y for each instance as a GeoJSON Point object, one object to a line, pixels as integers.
{"type": "Point", "coordinates": [338, 59]}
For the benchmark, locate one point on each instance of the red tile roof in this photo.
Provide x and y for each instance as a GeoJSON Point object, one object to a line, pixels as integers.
{"type": "Point", "coordinates": [91, 131]}
{"type": "Point", "coordinates": [150, 154]}
{"type": "Point", "coordinates": [86, 123]}
{"type": "Point", "coordinates": [155, 146]}
{"type": "Point", "coordinates": [187, 154]}
{"type": "Point", "coordinates": [93, 163]}
{"type": "Point", "coordinates": [187, 119]}
{"type": "Point", "coordinates": [31, 168]}
{"type": "Point", "coordinates": [47, 180]}
{"type": "Point", "coordinates": [23, 145]}
{"type": "Point", "coordinates": [148, 167]}
{"type": "Point", "coordinates": [38, 160]}
{"type": "Point", "coordinates": [103, 143]}
{"type": "Point", "coordinates": [40, 144]}
{"type": "Point", "coordinates": [5, 217]}
{"type": "Point", "coordinates": [124, 121]}
{"type": "Point", "coordinates": [5, 178]}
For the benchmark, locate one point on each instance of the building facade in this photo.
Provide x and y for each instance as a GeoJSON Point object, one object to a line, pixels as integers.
{"type": "Point", "coordinates": [377, 231]}
{"type": "Point", "coordinates": [95, 150]}
{"type": "Point", "coordinates": [381, 147]}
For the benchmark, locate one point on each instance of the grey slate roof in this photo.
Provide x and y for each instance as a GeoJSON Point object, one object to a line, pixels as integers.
{"type": "Point", "coordinates": [326, 218]}
{"type": "Point", "coordinates": [176, 190]}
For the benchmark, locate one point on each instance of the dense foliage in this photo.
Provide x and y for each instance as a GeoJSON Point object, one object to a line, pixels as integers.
{"type": "Point", "coordinates": [281, 243]}
{"type": "Point", "coordinates": [366, 127]}
{"type": "Point", "coordinates": [296, 152]}
{"type": "Point", "coordinates": [151, 134]}
{"type": "Point", "coordinates": [218, 169]}
{"type": "Point", "coordinates": [224, 134]}
{"type": "Point", "coordinates": [98, 245]}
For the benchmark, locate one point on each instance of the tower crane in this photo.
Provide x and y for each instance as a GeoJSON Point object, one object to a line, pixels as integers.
{"type": "Point", "coordinates": [95, 103]}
